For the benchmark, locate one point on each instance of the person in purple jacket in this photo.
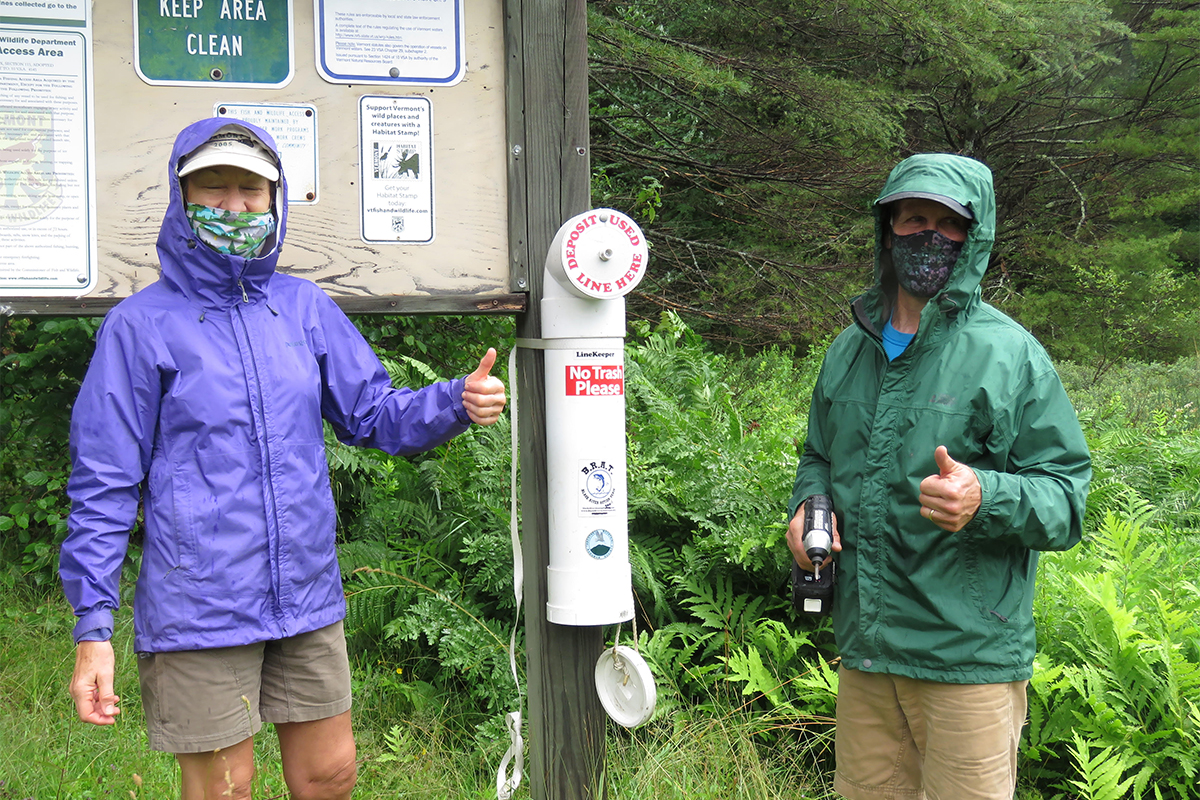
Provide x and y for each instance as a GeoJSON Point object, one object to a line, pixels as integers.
{"type": "Point", "coordinates": [204, 400]}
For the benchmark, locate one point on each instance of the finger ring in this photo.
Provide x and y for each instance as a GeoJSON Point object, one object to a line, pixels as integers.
{"type": "Point", "coordinates": [931, 515]}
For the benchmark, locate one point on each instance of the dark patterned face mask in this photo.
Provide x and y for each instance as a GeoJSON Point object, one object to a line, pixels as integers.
{"type": "Point", "coordinates": [923, 261]}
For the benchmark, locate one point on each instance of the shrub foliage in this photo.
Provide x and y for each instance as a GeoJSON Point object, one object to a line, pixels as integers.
{"type": "Point", "coordinates": [713, 440]}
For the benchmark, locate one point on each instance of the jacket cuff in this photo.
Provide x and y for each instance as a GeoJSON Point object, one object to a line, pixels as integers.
{"type": "Point", "coordinates": [987, 490]}
{"type": "Point", "coordinates": [800, 494]}
{"type": "Point", "coordinates": [456, 395]}
{"type": "Point", "coordinates": [100, 618]}
{"type": "Point", "coordinates": [97, 635]}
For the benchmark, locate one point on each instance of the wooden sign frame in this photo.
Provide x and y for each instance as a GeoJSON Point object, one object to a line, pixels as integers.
{"type": "Point", "coordinates": [476, 262]}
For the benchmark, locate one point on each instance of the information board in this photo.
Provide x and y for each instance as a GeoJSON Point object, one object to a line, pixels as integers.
{"type": "Point", "coordinates": [414, 42]}
{"type": "Point", "coordinates": [428, 233]}
{"type": "Point", "coordinates": [47, 202]}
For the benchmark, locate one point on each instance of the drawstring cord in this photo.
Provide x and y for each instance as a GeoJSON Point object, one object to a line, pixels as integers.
{"type": "Point", "coordinates": [507, 785]}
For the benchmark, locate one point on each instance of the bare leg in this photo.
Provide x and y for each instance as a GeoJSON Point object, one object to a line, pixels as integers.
{"type": "Point", "coordinates": [318, 758]}
{"type": "Point", "coordinates": [219, 774]}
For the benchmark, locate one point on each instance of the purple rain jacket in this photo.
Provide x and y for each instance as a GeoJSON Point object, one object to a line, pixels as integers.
{"type": "Point", "coordinates": [205, 398]}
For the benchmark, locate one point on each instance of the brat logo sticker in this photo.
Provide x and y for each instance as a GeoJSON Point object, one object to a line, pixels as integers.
{"type": "Point", "coordinates": [599, 544]}
{"type": "Point", "coordinates": [596, 488]}
{"type": "Point", "coordinates": [598, 482]}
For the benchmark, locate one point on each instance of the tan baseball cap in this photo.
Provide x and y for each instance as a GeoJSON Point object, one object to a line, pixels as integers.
{"type": "Point", "coordinates": [233, 147]}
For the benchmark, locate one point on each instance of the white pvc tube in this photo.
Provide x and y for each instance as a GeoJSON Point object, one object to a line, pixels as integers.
{"type": "Point", "coordinates": [596, 258]}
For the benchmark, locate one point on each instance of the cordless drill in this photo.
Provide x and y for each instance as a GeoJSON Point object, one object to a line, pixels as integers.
{"type": "Point", "coordinates": [812, 593]}
{"type": "Point", "coordinates": [818, 531]}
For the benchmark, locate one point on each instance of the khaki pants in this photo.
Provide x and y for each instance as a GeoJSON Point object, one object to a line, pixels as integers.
{"type": "Point", "coordinates": [904, 738]}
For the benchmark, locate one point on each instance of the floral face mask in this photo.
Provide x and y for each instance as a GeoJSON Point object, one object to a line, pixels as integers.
{"type": "Point", "coordinates": [237, 233]}
{"type": "Point", "coordinates": [923, 261]}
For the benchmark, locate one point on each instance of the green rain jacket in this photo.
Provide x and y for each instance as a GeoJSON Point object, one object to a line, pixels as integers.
{"type": "Point", "coordinates": [913, 599]}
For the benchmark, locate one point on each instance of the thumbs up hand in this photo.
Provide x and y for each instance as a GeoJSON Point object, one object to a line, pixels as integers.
{"type": "Point", "coordinates": [951, 498]}
{"type": "Point", "coordinates": [483, 393]}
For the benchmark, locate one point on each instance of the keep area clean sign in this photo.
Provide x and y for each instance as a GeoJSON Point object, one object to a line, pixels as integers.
{"type": "Point", "coordinates": [215, 42]}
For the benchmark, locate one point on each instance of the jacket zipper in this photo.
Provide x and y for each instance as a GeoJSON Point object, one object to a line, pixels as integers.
{"type": "Point", "coordinates": [268, 476]}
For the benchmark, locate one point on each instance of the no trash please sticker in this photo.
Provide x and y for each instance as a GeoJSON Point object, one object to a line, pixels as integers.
{"type": "Point", "coordinates": [605, 380]}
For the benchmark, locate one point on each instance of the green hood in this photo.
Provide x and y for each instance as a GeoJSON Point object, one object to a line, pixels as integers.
{"type": "Point", "coordinates": [964, 180]}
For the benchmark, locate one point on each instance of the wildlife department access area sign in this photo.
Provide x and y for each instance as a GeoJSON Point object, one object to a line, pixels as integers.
{"type": "Point", "coordinates": [392, 116]}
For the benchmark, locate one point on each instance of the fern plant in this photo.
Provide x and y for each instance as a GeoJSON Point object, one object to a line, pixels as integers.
{"type": "Point", "coordinates": [426, 567]}
{"type": "Point", "coordinates": [769, 665]}
{"type": "Point", "coordinates": [684, 659]}
{"type": "Point", "coordinates": [712, 452]}
{"type": "Point", "coordinates": [1099, 775]}
{"type": "Point", "coordinates": [1120, 664]}
{"type": "Point", "coordinates": [712, 447]}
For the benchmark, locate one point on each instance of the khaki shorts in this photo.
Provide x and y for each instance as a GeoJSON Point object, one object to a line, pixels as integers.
{"type": "Point", "coordinates": [197, 701]}
{"type": "Point", "coordinates": [904, 738]}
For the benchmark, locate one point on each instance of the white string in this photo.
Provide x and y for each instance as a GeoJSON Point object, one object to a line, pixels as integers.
{"type": "Point", "coordinates": [506, 785]}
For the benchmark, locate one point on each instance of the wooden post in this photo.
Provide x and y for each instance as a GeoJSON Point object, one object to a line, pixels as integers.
{"type": "Point", "coordinates": [549, 169]}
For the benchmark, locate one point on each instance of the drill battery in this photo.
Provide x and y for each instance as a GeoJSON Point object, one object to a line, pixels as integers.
{"type": "Point", "coordinates": [810, 594]}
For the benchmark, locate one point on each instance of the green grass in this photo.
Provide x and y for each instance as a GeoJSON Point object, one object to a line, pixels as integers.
{"type": "Point", "coordinates": [711, 756]}
{"type": "Point", "coordinates": [46, 753]}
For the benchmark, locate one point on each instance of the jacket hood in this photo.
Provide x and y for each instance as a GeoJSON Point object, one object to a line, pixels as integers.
{"type": "Point", "coordinates": [969, 184]}
{"type": "Point", "coordinates": [209, 278]}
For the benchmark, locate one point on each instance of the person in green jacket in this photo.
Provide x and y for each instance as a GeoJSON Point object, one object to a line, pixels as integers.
{"type": "Point", "coordinates": [952, 455]}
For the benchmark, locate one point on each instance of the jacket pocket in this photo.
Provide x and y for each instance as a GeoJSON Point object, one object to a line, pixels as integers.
{"type": "Point", "coordinates": [999, 583]}
{"type": "Point", "coordinates": [307, 520]}
{"type": "Point", "coordinates": [165, 521]}
{"type": "Point", "coordinates": [224, 532]}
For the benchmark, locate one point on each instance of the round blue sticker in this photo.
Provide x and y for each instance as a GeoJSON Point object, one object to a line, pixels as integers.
{"type": "Point", "coordinates": [599, 543]}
